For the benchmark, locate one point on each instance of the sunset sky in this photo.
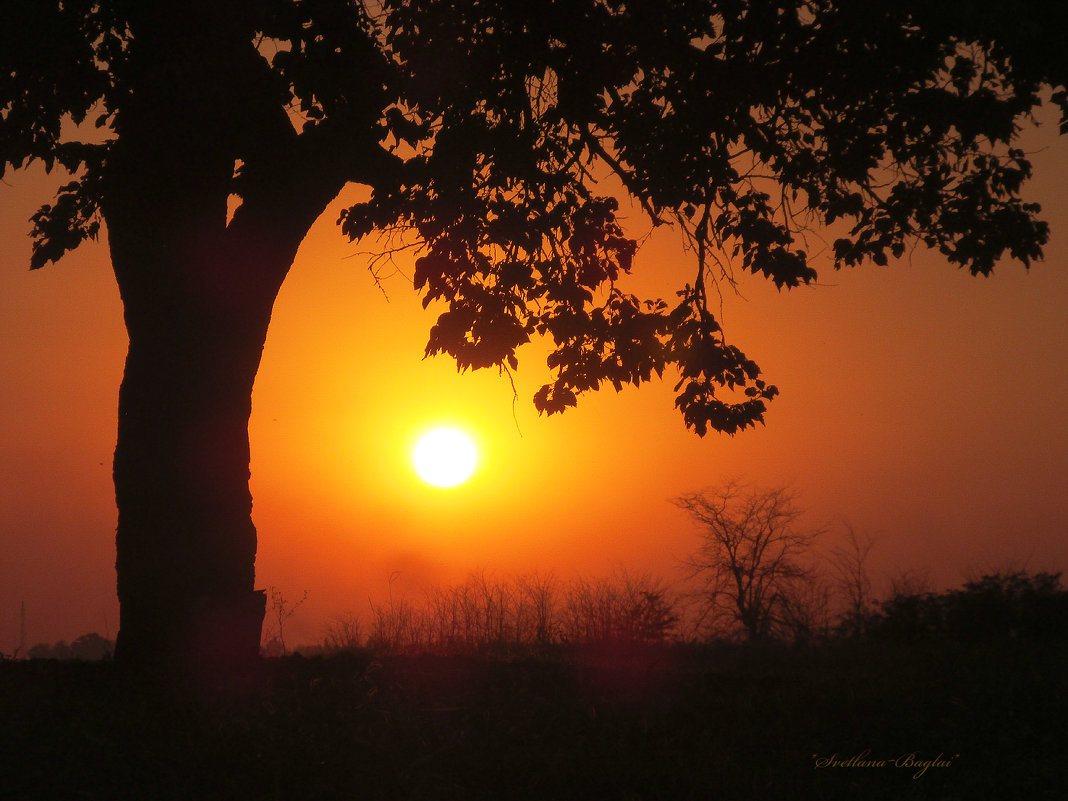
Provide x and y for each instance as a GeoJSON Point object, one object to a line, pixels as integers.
{"type": "Point", "coordinates": [919, 405]}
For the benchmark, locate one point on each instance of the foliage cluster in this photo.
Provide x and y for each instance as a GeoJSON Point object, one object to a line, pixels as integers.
{"type": "Point", "coordinates": [746, 126]}
{"type": "Point", "coordinates": [486, 130]}
{"type": "Point", "coordinates": [88, 647]}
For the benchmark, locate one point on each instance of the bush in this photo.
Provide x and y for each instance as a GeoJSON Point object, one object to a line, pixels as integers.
{"type": "Point", "coordinates": [998, 606]}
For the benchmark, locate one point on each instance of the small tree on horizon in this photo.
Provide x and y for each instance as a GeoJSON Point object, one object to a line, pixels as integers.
{"type": "Point", "coordinates": [852, 580]}
{"type": "Point", "coordinates": [753, 563]}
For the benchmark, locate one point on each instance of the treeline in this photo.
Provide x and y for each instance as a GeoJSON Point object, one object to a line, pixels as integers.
{"type": "Point", "coordinates": [87, 648]}
{"type": "Point", "coordinates": [1000, 606]}
{"type": "Point", "coordinates": [535, 610]}
{"type": "Point", "coordinates": [485, 614]}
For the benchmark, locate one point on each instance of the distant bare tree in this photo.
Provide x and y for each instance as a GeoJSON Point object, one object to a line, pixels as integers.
{"type": "Point", "coordinates": [494, 602]}
{"type": "Point", "coordinates": [344, 633]}
{"type": "Point", "coordinates": [620, 607]}
{"type": "Point", "coordinates": [806, 609]}
{"type": "Point", "coordinates": [852, 579]}
{"type": "Point", "coordinates": [397, 627]}
{"type": "Point", "coordinates": [910, 581]}
{"type": "Point", "coordinates": [589, 612]}
{"type": "Point", "coordinates": [474, 613]}
{"type": "Point", "coordinates": [538, 607]}
{"type": "Point", "coordinates": [751, 562]}
{"type": "Point", "coordinates": [532, 610]}
{"type": "Point", "coordinates": [282, 609]}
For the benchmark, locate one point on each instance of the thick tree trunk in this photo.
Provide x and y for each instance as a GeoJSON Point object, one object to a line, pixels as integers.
{"type": "Point", "coordinates": [197, 296]}
{"type": "Point", "coordinates": [197, 291]}
{"type": "Point", "coordinates": [186, 544]}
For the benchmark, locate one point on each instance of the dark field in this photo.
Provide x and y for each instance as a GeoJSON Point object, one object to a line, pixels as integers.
{"type": "Point", "coordinates": [625, 723]}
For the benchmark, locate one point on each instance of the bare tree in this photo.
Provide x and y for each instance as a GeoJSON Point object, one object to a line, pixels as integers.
{"type": "Point", "coordinates": [852, 579]}
{"type": "Point", "coordinates": [538, 593]}
{"type": "Point", "coordinates": [281, 610]}
{"type": "Point", "coordinates": [397, 627]}
{"type": "Point", "coordinates": [344, 633]}
{"type": "Point", "coordinates": [910, 581]}
{"type": "Point", "coordinates": [806, 610]}
{"type": "Point", "coordinates": [751, 561]}
{"type": "Point", "coordinates": [617, 608]}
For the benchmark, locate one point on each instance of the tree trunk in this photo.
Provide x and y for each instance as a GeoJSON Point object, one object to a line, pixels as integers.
{"type": "Point", "coordinates": [186, 544]}
{"type": "Point", "coordinates": [197, 291]}
{"type": "Point", "coordinates": [197, 296]}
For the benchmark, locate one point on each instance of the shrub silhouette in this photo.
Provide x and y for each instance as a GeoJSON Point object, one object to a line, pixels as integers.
{"type": "Point", "coordinates": [87, 648]}
{"type": "Point", "coordinates": [996, 606]}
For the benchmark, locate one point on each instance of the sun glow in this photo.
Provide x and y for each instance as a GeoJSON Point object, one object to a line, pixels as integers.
{"type": "Point", "coordinates": [445, 457]}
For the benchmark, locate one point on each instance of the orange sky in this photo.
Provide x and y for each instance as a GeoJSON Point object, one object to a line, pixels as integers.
{"type": "Point", "coordinates": [918, 403]}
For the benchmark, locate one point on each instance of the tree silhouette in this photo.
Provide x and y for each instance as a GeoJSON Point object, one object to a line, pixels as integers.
{"type": "Point", "coordinates": [1003, 605]}
{"type": "Point", "coordinates": [852, 580]}
{"type": "Point", "coordinates": [752, 559]}
{"type": "Point", "coordinates": [481, 127]}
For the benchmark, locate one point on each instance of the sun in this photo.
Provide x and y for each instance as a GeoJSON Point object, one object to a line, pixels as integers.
{"type": "Point", "coordinates": [445, 457]}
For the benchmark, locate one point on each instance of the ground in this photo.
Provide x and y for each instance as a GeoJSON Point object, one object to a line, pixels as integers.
{"type": "Point", "coordinates": [831, 721]}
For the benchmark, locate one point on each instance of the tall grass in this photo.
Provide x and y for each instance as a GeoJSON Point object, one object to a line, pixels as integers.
{"type": "Point", "coordinates": [531, 610]}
